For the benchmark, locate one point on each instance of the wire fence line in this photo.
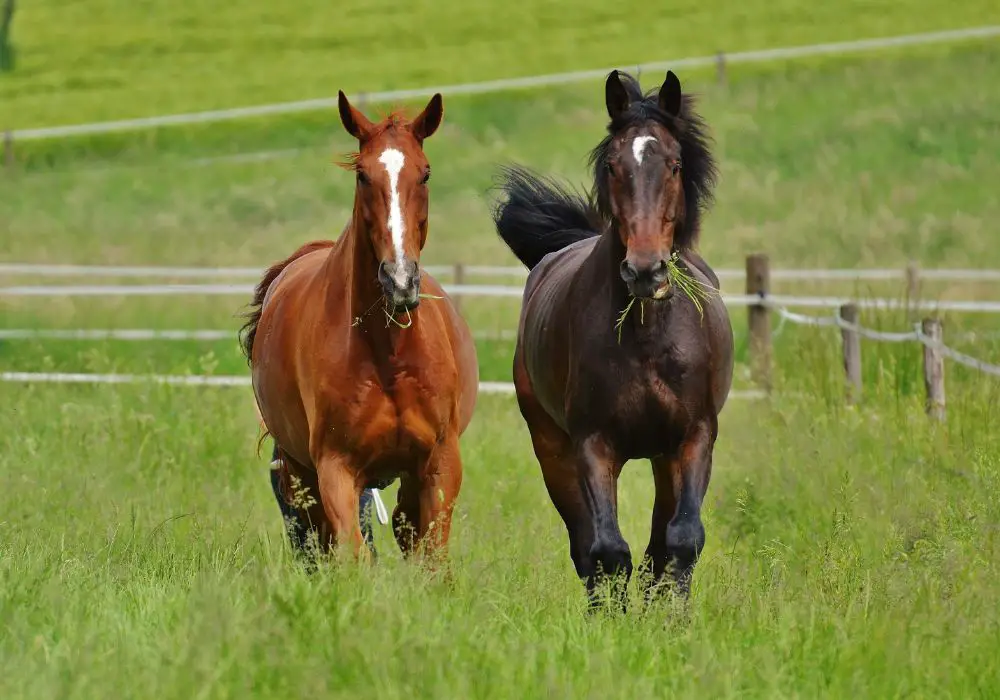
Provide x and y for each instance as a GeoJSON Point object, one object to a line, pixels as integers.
{"type": "Point", "coordinates": [834, 321]}
{"type": "Point", "coordinates": [485, 387]}
{"type": "Point", "coordinates": [791, 274]}
{"type": "Point", "coordinates": [172, 379]}
{"type": "Point", "coordinates": [60, 270]}
{"type": "Point", "coordinates": [501, 291]}
{"type": "Point", "coordinates": [144, 334]}
{"type": "Point", "coordinates": [916, 335]}
{"type": "Point", "coordinates": [757, 56]}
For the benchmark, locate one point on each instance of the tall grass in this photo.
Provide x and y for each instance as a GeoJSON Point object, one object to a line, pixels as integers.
{"type": "Point", "coordinates": [851, 551]}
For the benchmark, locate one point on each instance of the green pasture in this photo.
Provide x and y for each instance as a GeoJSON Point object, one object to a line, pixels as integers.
{"type": "Point", "coordinates": [868, 162]}
{"type": "Point", "coordinates": [114, 59]}
{"type": "Point", "coordinates": [852, 550]}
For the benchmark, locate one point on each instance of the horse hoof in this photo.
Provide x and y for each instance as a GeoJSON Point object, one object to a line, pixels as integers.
{"type": "Point", "coordinates": [611, 557]}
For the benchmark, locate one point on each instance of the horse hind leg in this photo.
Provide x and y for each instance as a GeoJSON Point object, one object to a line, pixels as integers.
{"type": "Point", "coordinates": [406, 514]}
{"type": "Point", "coordinates": [426, 500]}
{"type": "Point", "coordinates": [296, 490]}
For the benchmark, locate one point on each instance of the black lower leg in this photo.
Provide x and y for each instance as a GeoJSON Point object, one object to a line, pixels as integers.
{"type": "Point", "coordinates": [295, 526]}
{"type": "Point", "coordinates": [365, 516]}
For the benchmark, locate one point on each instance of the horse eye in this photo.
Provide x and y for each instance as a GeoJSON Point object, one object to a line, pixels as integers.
{"type": "Point", "coordinates": [362, 178]}
{"type": "Point", "coordinates": [425, 178]}
{"type": "Point", "coordinates": [609, 166]}
{"type": "Point", "coordinates": [676, 168]}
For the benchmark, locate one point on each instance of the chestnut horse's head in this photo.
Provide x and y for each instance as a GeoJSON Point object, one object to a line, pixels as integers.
{"type": "Point", "coordinates": [653, 174]}
{"type": "Point", "coordinates": [391, 197]}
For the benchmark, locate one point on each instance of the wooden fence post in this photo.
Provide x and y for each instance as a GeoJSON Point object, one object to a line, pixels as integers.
{"type": "Point", "coordinates": [934, 370]}
{"type": "Point", "coordinates": [459, 279]}
{"type": "Point", "coordinates": [758, 283]}
{"type": "Point", "coordinates": [852, 352]}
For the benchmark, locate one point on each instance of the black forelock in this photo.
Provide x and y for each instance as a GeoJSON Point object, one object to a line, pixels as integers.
{"type": "Point", "coordinates": [699, 171]}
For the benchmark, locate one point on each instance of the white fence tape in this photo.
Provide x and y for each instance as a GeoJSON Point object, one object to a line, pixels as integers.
{"type": "Point", "coordinates": [154, 334]}
{"type": "Point", "coordinates": [46, 270]}
{"type": "Point", "coordinates": [254, 273]}
{"type": "Point", "coordinates": [171, 379]}
{"type": "Point", "coordinates": [223, 381]}
{"type": "Point", "coordinates": [500, 291]}
{"type": "Point", "coordinates": [472, 290]}
{"type": "Point", "coordinates": [785, 53]}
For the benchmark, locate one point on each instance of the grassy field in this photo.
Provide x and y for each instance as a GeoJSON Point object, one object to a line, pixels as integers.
{"type": "Point", "coordinates": [112, 59]}
{"type": "Point", "coordinates": [861, 163]}
{"type": "Point", "coordinates": [852, 551]}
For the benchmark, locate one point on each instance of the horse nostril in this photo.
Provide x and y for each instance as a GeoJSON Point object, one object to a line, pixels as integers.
{"type": "Point", "coordinates": [628, 271]}
{"type": "Point", "coordinates": [660, 270]}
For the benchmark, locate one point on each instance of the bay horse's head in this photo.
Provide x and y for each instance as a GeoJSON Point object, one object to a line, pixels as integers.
{"type": "Point", "coordinates": [391, 196]}
{"type": "Point", "coordinates": [653, 175]}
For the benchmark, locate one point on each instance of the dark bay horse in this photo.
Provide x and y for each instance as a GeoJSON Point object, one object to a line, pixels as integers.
{"type": "Point", "coordinates": [592, 398]}
{"type": "Point", "coordinates": [357, 381]}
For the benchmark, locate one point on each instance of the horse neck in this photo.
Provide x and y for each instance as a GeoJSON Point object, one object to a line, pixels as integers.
{"type": "Point", "coordinates": [605, 261]}
{"type": "Point", "coordinates": [354, 268]}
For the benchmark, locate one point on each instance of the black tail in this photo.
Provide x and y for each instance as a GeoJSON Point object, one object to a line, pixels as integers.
{"type": "Point", "coordinates": [541, 216]}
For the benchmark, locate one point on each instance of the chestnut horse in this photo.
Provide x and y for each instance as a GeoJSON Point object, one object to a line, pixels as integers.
{"type": "Point", "coordinates": [357, 381]}
{"type": "Point", "coordinates": [593, 399]}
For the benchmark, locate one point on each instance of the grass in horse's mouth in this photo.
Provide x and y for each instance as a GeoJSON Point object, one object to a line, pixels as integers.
{"type": "Point", "coordinates": [624, 313]}
{"type": "Point", "coordinates": [694, 289]}
{"type": "Point", "coordinates": [390, 316]}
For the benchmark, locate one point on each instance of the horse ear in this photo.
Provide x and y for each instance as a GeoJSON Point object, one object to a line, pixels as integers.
{"type": "Point", "coordinates": [355, 122]}
{"type": "Point", "coordinates": [429, 120]}
{"type": "Point", "coordinates": [615, 96]}
{"type": "Point", "coordinates": [670, 95]}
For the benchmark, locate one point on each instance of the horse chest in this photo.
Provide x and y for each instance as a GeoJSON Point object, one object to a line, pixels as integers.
{"type": "Point", "coordinates": [637, 405]}
{"type": "Point", "coordinates": [394, 411]}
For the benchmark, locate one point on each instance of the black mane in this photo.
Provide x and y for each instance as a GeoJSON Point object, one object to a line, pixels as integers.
{"type": "Point", "coordinates": [540, 216]}
{"type": "Point", "coordinates": [699, 172]}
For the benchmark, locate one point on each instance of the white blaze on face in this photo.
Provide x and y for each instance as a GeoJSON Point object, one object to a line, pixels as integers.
{"type": "Point", "coordinates": [393, 161]}
{"type": "Point", "coordinates": [639, 147]}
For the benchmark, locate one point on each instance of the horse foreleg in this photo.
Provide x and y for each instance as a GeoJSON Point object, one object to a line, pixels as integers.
{"type": "Point", "coordinates": [666, 468]}
{"type": "Point", "coordinates": [339, 492]}
{"type": "Point", "coordinates": [609, 553]}
{"type": "Point", "coordinates": [677, 535]}
{"type": "Point", "coordinates": [440, 482]}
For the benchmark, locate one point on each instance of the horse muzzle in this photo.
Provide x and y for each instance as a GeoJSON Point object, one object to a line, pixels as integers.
{"type": "Point", "coordinates": [647, 281]}
{"type": "Point", "coordinates": [400, 283]}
